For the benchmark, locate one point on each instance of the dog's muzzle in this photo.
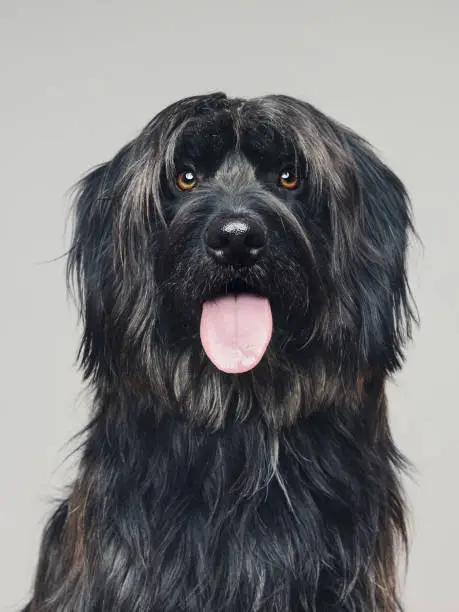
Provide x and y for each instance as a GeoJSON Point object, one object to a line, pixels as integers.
{"type": "Point", "coordinates": [236, 328]}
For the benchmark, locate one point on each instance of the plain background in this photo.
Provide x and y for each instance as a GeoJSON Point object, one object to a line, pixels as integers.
{"type": "Point", "coordinates": [80, 78]}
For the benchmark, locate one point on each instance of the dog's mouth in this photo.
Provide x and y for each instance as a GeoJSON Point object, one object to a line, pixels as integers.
{"type": "Point", "coordinates": [236, 327]}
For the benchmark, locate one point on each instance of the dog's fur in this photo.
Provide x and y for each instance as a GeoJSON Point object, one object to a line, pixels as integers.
{"type": "Point", "coordinates": [273, 490]}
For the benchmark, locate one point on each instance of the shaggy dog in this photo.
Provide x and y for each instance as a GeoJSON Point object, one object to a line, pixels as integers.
{"type": "Point", "coordinates": [241, 270]}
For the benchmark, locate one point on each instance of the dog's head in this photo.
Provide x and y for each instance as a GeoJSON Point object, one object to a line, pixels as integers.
{"type": "Point", "coordinates": [237, 240]}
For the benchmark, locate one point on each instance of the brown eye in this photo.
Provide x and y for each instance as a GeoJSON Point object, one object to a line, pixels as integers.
{"type": "Point", "coordinates": [288, 179]}
{"type": "Point", "coordinates": [186, 180]}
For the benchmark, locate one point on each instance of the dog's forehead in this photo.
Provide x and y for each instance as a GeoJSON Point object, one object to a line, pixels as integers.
{"type": "Point", "coordinates": [206, 140]}
{"type": "Point", "coordinates": [211, 139]}
{"type": "Point", "coordinates": [264, 144]}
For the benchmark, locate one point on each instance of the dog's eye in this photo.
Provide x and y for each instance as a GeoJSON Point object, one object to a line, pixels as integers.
{"type": "Point", "coordinates": [186, 180]}
{"type": "Point", "coordinates": [288, 179]}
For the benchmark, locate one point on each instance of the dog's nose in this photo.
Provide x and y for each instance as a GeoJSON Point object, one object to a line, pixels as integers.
{"type": "Point", "coordinates": [238, 241]}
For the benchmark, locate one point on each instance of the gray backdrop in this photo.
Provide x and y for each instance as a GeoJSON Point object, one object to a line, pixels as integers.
{"type": "Point", "coordinates": [80, 78]}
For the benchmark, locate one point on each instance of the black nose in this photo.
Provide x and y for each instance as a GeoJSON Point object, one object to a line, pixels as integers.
{"type": "Point", "coordinates": [235, 240]}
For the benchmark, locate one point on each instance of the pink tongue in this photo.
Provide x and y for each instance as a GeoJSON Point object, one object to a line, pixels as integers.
{"type": "Point", "coordinates": [235, 331]}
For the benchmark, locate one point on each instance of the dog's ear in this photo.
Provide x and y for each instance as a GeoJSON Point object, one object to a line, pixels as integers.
{"type": "Point", "coordinates": [90, 262]}
{"type": "Point", "coordinates": [112, 258]}
{"type": "Point", "coordinates": [371, 225]}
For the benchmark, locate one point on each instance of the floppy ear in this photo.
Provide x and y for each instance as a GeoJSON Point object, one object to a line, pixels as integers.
{"type": "Point", "coordinates": [371, 223]}
{"type": "Point", "coordinates": [90, 264]}
{"type": "Point", "coordinates": [111, 260]}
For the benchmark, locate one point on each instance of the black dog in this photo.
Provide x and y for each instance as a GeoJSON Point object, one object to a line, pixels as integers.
{"type": "Point", "coordinates": [241, 271]}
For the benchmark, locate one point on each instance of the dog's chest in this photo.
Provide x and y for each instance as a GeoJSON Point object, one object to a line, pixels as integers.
{"type": "Point", "coordinates": [250, 553]}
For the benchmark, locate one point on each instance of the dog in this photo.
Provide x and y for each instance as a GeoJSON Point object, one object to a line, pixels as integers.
{"type": "Point", "coordinates": [241, 271]}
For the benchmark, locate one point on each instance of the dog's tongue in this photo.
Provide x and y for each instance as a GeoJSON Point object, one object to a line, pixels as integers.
{"type": "Point", "coordinates": [235, 331]}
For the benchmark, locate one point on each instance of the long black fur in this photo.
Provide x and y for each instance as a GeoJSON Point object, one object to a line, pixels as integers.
{"type": "Point", "coordinates": [273, 490]}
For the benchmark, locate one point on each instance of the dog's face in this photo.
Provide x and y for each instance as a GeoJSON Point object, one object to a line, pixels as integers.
{"type": "Point", "coordinates": [240, 236]}
{"type": "Point", "coordinates": [239, 264]}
